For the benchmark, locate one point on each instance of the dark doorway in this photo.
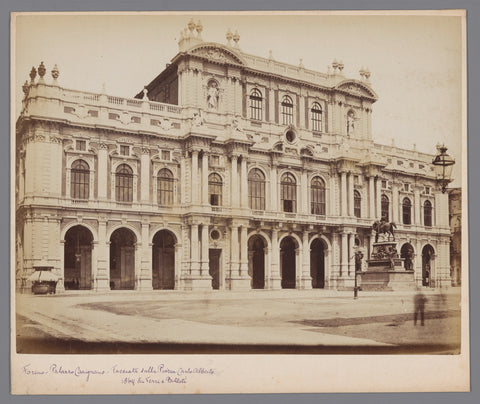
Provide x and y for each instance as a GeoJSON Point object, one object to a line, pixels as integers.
{"type": "Point", "coordinates": [427, 257]}
{"type": "Point", "coordinates": [287, 262]}
{"type": "Point", "coordinates": [163, 260]}
{"type": "Point", "coordinates": [214, 266]}
{"type": "Point", "coordinates": [317, 263]}
{"type": "Point", "coordinates": [122, 259]}
{"type": "Point", "coordinates": [78, 258]}
{"type": "Point", "coordinates": [256, 253]}
{"type": "Point", "coordinates": [407, 253]}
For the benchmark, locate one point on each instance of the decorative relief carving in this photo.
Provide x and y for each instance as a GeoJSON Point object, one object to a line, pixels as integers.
{"type": "Point", "coordinates": [356, 89]}
{"type": "Point", "coordinates": [216, 55]}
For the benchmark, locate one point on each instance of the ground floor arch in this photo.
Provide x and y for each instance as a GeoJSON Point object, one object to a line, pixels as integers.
{"type": "Point", "coordinates": [288, 251]}
{"type": "Point", "coordinates": [122, 259]}
{"type": "Point", "coordinates": [428, 254]}
{"type": "Point", "coordinates": [317, 263]}
{"type": "Point", "coordinates": [78, 258]}
{"type": "Point", "coordinates": [408, 253]}
{"type": "Point", "coordinates": [256, 261]}
{"type": "Point", "coordinates": [163, 260]}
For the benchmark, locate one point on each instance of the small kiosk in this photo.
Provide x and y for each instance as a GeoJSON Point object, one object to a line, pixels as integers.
{"type": "Point", "coordinates": [44, 281]}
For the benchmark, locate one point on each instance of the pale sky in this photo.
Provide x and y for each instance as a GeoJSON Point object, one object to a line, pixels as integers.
{"type": "Point", "coordinates": [415, 61]}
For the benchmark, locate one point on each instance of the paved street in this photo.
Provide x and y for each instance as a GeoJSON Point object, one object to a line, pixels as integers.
{"type": "Point", "coordinates": [257, 321]}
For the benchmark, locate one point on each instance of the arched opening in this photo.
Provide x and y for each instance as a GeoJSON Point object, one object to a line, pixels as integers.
{"type": "Point", "coordinates": [288, 262]}
{"type": "Point", "coordinates": [163, 260]}
{"type": "Point", "coordinates": [256, 258]}
{"type": "Point", "coordinates": [122, 259]}
{"type": "Point", "coordinates": [427, 258]}
{"type": "Point", "coordinates": [407, 253]}
{"type": "Point", "coordinates": [78, 258]}
{"type": "Point", "coordinates": [317, 263]}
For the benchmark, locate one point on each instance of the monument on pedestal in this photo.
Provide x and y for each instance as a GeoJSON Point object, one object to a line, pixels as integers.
{"type": "Point", "coordinates": [385, 269]}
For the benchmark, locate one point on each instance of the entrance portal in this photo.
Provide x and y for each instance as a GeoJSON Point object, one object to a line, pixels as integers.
{"type": "Point", "coordinates": [163, 268]}
{"type": "Point", "coordinates": [122, 259]}
{"type": "Point", "coordinates": [78, 258]}
{"type": "Point", "coordinates": [287, 262]}
{"type": "Point", "coordinates": [427, 257]}
{"type": "Point", "coordinates": [256, 254]}
{"type": "Point", "coordinates": [214, 266]}
{"type": "Point", "coordinates": [317, 263]}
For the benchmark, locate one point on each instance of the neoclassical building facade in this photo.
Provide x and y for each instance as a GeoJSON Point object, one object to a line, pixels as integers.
{"type": "Point", "coordinates": [227, 171]}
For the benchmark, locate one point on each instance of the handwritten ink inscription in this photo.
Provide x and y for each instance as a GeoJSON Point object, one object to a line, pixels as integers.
{"type": "Point", "coordinates": [142, 375]}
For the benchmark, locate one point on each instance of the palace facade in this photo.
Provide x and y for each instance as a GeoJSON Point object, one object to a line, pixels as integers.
{"type": "Point", "coordinates": [227, 171]}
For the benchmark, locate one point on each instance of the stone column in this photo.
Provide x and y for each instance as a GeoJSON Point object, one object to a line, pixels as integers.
{"type": "Point", "coordinates": [378, 197]}
{"type": "Point", "coordinates": [234, 265]}
{"type": "Point", "coordinates": [351, 256]}
{"type": "Point", "coordinates": [395, 203]}
{"type": "Point", "coordinates": [275, 280]}
{"type": "Point", "coordinates": [145, 251]}
{"type": "Point", "coordinates": [350, 195]}
{"type": "Point", "coordinates": [243, 252]}
{"type": "Point", "coordinates": [244, 183]}
{"type": "Point", "coordinates": [273, 189]}
{"type": "Point", "coordinates": [371, 202]}
{"type": "Point", "coordinates": [332, 197]}
{"type": "Point", "coordinates": [195, 179]}
{"type": "Point", "coordinates": [417, 206]}
{"type": "Point", "coordinates": [343, 192]}
{"type": "Point", "coordinates": [102, 172]}
{"type": "Point", "coordinates": [145, 176]}
{"type": "Point", "coordinates": [103, 258]}
{"type": "Point", "coordinates": [234, 182]}
{"type": "Point", "coordinates": [306, 279]}
{"type": "Point", "coordinates": [194, 258]}
{"type": "Point", "coordinates": [304, 193]}
{"type": "Point", "coordinates": [183, 180]}
{"type": "Point", "coordinates": [344, 252]}
{"type": "Point", "coordinates": [205, 200]}
{"type": "Point", "coordinates": [205, 258]}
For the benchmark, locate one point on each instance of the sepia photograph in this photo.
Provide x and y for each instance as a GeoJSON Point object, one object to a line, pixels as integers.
{"type": "Point", "coordinates": [206, 199]}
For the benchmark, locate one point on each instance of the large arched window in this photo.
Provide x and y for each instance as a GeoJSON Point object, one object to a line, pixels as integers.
{"type": "Point", "coordinates": [385, 207]}
{"type": "Point", "coordinates": [215, 186]}
{"type": "Point", "coordinates": [316, 112]}
{"type": "Point", "coordinates": [407, 211]}
{"type": "Point", "coordinates": [357, 204]}
{"type": "Point", "coordinates": [256, 105]}
{"type": "Point", "coordinates": [287, 110]}
{"type": "Point", "coordinates": [256, 189]}
{"type": "Point", "coordinates": [124, 183]}
{"type": "Point", "coordinates": [288, 193]}
{"type": "Point", "coordinates": [317, 196]}
{"type": "Point", "coordinates": [80, 180]}
{"type": "Point", "coordinates": [165, 184]}
{"type": "Point", "coordinates": [427, 213]}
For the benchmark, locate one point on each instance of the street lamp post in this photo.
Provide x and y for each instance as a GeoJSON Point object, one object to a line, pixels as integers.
{"type": "Point", "coordinates": [443, 165]}
{"type": "Point", "coordinates": [358, 264]}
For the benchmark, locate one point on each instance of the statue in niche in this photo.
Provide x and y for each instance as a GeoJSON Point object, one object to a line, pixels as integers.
{"type": "Point", "coordinates": [212, 95]}
{"type": "Point", "coordinates": [350, 123]}
{"type": "Point", "coordinates": [197, 119]}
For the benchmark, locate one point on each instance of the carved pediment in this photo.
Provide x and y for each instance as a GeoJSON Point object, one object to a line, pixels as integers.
{"type": "Point", "coordinates": [357, 89]}
{"type": "Point", "coordinates": [216, 54]}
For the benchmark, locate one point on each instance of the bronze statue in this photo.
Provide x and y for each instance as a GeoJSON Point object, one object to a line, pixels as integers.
{"type": "Point", "coordinates": [382, 226]}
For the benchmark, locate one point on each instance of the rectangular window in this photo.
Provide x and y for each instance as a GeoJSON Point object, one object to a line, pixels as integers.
{"type": "Point", "coordinates": [384, 184]}
{"type": "Point", "coordinates": [406, 187]}
{"type": "Point", "coordinates": [81, 145]}
{"type": "Point", "coordinates": [113, 116]}
{"type": "Point", "coordinates": [124, 150]}
{"type": "Point", "coordinates": [427, 190]}
{"type": "Point", "coordinates": [287, 206]}
{"type": "Point", "coordinates": [135, 119]}
{"type": "Point", "coordinates": [69, 110]}
{"type": "Point", "coordinates": [93, 113]}
{"type": "Point", "coordinates": [166, 155]}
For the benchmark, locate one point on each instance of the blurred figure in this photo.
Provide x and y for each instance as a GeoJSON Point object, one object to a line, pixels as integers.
{"type": "Point", "coordinates": [419, 301]}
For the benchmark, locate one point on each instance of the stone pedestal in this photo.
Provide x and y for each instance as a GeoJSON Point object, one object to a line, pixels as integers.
{"type": "Point", "coordinates": [201, 283]}
{"type": "Point", "coordinates": [385, 270]}
{"type": "Point", "coordinates": [238, 283]}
